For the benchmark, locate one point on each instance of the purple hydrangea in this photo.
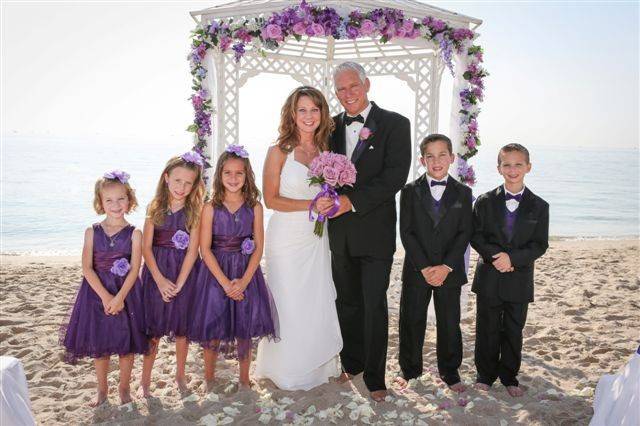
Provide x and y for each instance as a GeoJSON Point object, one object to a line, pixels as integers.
{"type": "Point", "coordinates": [248, 246]}
{"type": "Point", "coordinates": [192, 157]}
{"type": "Point", "coordinates": [120, 267]}
{"type": "Point", "coordinates": [238, 150]}
{"type": "Point", "coordinates": [180, 240]}
{"type": "Point", "coordinates": [123, 177]}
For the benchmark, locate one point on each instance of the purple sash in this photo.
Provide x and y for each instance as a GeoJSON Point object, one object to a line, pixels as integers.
{"type": "Point", "coordinates": [103, 260]}
{"type": "Point", "coordinates": [227, 243]}
{"type": "Point", "coordinates": [162, 238]}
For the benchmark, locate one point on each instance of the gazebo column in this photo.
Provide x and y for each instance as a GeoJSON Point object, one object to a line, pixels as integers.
{"type": "Point", "coordinates": [427, 93]}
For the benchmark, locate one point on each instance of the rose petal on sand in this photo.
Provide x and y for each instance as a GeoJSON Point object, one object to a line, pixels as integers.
{"type": "Point", "coordinates": [402, 402]}
{"type": "Point", "coordinates": [128, 407]}
{"type": "Point", "coordinates": [388, 398]}
{"type": "Point", "coordinates": [213, 397]}
{"type": "Point", "coordinates": [286, 400]}
{"type": "Point", "coordinates": [429, 396]}
{"type": "Point", "coordinates": [231, 411]}
{"type": "Point", "coordinates": [190, 398]}
{"type": "Point", "coordinates": [469, 406]}
{"type": "Point", "coordinates": [516, 407]}
{"type": "Point", "coordinates": [406, 416]}
{"type": "Point", "coordinates": [225, 421]}
{"type": "Point", "coordinates": [352, 405]}
{"type": "Point", "coordinates": [237, 403]}
{"type": "Point", "coordinates": [503, 422]}
{"type": "Point", "coordinates": [311, 410]}
{"type": "Point", "coordinates": [390, 415]}
{"type": "Point", "coordinates": [264, 418]}
{"type": "Point", "coordinates": [445, 405]}
{"type": "Point", "coordinates": [209, 419]}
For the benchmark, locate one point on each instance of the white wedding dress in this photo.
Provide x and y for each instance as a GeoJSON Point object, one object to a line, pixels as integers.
{"type": "Point", "coordinates": [298, 269]}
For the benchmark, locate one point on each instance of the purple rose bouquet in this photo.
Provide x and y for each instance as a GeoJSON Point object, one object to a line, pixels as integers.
{"type": "Point", "coordinates": [180, 239]}
{"type": "Point", "coordinates": [120, 267]}
{"type": "Point", "coordinates": [330, 171]}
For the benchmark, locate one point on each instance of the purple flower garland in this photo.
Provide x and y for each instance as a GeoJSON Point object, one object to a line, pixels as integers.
{"type": "Point", "coordinates": [297, 21]}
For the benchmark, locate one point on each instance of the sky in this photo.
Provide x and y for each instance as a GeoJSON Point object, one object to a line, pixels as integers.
{"type": "Point", "coordinates": [561, 73]}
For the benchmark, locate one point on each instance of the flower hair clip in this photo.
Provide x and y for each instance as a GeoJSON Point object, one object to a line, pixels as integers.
{"type": "Point", "coordinates": [193, 158]}
{"type": "Point", "coordinates": [237, 150]}
{"type": "Point", "coordinates": [123, 177]}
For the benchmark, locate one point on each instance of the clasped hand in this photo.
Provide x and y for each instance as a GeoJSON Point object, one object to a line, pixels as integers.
{"type": "Point", "coordinates": [168, 290]}
{"type": "Point", "coordinates": [325, 204]}
{"type": "Point", "coordinates": [112, 305]}
{"type": "Point", "coordinates": [435, 275]}
{"type": "Point", "coordinates": [502, 262]}
{"type": "Point", "coordinates": [234, 289]}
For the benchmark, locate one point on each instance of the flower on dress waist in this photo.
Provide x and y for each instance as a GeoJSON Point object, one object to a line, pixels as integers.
{"type": "Point", "coordinates": [120, 267]}
{"type": "Point", "coordinates": [123, 177]}
{"type": "Point", "coordinates": [248, 246]}
{"type": "Point", "coordinates": [180, 240]}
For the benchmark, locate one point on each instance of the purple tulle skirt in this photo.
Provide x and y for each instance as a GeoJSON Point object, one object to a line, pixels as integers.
{"type": "Point", "coordinates": [90, 332]}
{"type": "Point", "coordinates": [172, 318]}
{"type": "Point", "coordinates": [228, 326]}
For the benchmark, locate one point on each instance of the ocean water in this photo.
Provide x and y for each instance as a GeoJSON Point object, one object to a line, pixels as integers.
{"type": "Point", "coordinates": [47, 187]}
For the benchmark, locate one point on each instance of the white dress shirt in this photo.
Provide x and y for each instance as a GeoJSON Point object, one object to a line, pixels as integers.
{"type": "Point", "coordinates": [438, 190]}
{"type": "Point", "coordinates": [512, 204]}
{"type": "Point", "coordinates": [352, 132]}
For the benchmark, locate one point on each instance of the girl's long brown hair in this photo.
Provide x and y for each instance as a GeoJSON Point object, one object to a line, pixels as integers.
{"type": "Point", "coordinates": [159, 206]}
{"type": "Point", "coordinates": [289, 136]}
{"type": "Point", "coordinates": [250, 190]}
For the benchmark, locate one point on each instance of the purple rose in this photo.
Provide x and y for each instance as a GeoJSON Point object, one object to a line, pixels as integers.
{"type": "Point", "coordinates": [248, 246]}
{"type": "Point", "coordinates": [330, 175]}
{"type": "Point", "coordinates": [273, 31]}
{"type": "Point", "coordinates": [225, 42]}
{"type": "Point", "coordinates": [352, 32]}
{"type": "Point", "coordinates": [300, 28]}
{"type": "Point", "coordinates": [347, 177]}
{"type": "Point", "coordinates": [123, 177]}
{"type": "Point", "coordinates": [180, 240]}
{"type": "Point", "coordinates": [408, 25]}
{"type": "Point", "coordinates": [367, 27]}
{"type": "Point", "coordinates": [120, 267]}
{"type": "Point", "coordinates": [318, 30]}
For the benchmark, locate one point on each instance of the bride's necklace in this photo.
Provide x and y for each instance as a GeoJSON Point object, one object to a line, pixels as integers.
{"type": "Point", "coordinates": [309, 153]}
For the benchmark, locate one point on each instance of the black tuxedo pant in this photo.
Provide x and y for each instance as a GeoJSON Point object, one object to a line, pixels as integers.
{"type": "Point", "coordinates": [416, 295]}
{"type": "Point", "coordinates": [498, 351]}
{"type": "Point", "coordinates": [361, 284]}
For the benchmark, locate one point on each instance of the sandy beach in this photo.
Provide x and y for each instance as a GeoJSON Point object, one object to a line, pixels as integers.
{"type": "Point", "coordinates": [584, 323]}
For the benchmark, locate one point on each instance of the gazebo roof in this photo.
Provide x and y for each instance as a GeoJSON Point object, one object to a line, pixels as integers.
{"type": "Point", "coordinates": [412, 8]}
{"type": "Point", "coordinates": [326, 48]}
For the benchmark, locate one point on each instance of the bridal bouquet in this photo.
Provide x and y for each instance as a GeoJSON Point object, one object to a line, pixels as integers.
{"type": "Point", "coordinates": [330, 171]}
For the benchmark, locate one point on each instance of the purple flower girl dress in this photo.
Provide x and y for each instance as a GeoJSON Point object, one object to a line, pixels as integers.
{"type": "Point", "coordinates": [219, 322]}
{"type": "Point", "coordinates": [92, 333]}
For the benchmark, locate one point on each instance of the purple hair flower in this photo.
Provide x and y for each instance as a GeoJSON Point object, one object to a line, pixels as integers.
{"type": "Point", "coordinates": [123, 177]}
{"type": "Point", "coordinates": [248, 246]}
{"type": "Point", "coordinates": [192, 157]}
{"type": "Point", "coordinates": [120, 267]}
{"type": "Point", "coordinates": [237, 150]}
{"type": "Point", "coordinates": [180, 240]}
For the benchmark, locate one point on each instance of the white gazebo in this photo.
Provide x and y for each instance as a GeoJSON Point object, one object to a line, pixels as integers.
{"type": "Point", "coordinates": [311, 61]}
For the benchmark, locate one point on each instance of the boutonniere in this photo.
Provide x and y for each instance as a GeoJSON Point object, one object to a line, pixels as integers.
{"type": "Point", "coordinates": [365, 134]}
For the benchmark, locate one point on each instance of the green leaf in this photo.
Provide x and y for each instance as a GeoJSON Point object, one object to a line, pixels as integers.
{"type": "Point", "coordinates": [192, 128]}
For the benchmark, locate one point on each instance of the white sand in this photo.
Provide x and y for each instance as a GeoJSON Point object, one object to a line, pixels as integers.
{"type": "Point", "coordinates": [583, 324]}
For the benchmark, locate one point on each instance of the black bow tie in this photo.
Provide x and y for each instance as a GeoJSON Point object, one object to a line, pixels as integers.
{"type": "Point", "coordinates": [348, 120]}
{"type": "Point", "coordinates": [437, 182]}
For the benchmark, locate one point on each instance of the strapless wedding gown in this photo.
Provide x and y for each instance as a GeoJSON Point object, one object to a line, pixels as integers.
{"type": "Point", "coordinates": [298, 268]}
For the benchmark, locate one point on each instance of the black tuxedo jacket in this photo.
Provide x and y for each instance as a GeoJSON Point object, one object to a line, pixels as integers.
{"type": "Point", "coordinates": [383, 166]}
{"type": "Point", "coordinates": [530, 241]}
{"type": "Point", "coordinates": [431, 239]}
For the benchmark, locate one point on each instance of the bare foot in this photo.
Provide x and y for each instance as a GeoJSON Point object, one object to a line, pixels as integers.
{"type": "Point", "coordinates": [400, 382]}
{"type": "Point", "coordinates": [515, 391]}
{"type": "Point", "coordinates": [482, 387]}
{"type": "Point", "coordinates": [181, 384]}
{"type": "Point", "coordinates": [344, 378]}
{"type": "Point", "coordinates": [144, 391]}
{"type": "Point", "coordinates": [125, 395]}
{"type": "Point", "coordinates": [378, 395]}
{"type": "Point", "coordinates": [100, 399]}
{"type": "Point", "coordinates": [458, 387]}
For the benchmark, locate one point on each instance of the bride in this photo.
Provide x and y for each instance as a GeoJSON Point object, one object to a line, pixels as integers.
{"type": "Point", "coordinates": [298, 263]}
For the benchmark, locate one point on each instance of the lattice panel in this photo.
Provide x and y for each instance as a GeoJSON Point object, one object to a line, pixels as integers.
{"type": "Point", "coordinates": [422, 74]}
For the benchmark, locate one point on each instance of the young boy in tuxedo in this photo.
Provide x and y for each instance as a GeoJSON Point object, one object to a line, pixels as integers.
{"type": "Point", "coordinates": [511, 230]}
{"type": "Point", "coordinates": [435, 228]}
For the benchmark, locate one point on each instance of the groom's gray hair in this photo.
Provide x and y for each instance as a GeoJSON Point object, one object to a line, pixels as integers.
{"type": "Point", "coordinates": [350, 66]}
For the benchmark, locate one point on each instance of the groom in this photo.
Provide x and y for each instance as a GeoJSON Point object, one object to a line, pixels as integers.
{"type": "Point", "coordinates": [362, 234]}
